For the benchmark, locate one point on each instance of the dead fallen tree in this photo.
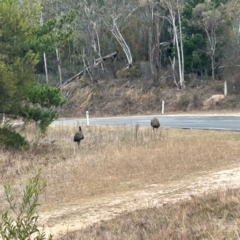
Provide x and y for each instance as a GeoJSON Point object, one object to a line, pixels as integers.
{"type": "Point", "coordinates": [111, 56]}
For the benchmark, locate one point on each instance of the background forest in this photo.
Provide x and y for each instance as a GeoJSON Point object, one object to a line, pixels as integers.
{"type": "Point", "coordinates": [54, 42]}
{"type": "Point", "coordinates": [182, 37]}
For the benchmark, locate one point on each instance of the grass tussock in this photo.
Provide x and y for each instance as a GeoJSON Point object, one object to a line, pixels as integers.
{"type": "Point", "coordinates": [214, 216]}
{"type": "Point", "coordinates": [119, 159]}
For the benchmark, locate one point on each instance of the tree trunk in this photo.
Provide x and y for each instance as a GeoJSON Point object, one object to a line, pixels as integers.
{"type": "Point", "coordinates": [59, 68]}
{"type": "Point", "coordinates": [117, 34]}
{"type": "Point", "coordinates": [90, 54]}
{"type": "Point", "coordinates": [177, 33]}
{"type": "Point", "coordinates": [213, 66]}
{"type": "Point", "coordinates": [151, 47]}
{"type": "Point", "coordinates": [157, 52]}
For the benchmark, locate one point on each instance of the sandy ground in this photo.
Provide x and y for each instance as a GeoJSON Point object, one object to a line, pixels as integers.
{"type": "Point", "coordinates": [81, 213]}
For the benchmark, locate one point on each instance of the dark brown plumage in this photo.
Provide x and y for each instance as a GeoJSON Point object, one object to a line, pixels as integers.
{"type": "Point", "coordinates": [78, 137]}
{"type": "Point", "coordinates": [155, 123]}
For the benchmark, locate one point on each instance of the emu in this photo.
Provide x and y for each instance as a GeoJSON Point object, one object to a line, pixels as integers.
{"type": "Point", "coordinates": [78, 137]}
{"type": "Point", "coordinates": [155, 123]}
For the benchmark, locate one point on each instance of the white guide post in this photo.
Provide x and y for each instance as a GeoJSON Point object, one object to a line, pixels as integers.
{"type": "Point", "coordinates": [87, 116]}
{"type": "Point", "coordinates": [225, 88]}
{"type": "Point", "coordinates": [163, 107]}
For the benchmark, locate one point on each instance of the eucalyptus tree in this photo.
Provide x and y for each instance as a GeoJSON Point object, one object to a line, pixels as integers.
{"type": "Point", "coordinates": [175, 8]}
{"type": "Point", "coordinates": [85, 43]}
{"type": "Point", "coordinates": [233, 11]}
{"type": "Point", "coordinates": [115, 15]}
{"type": "Point", "coordinates": [152, 16]}
{"type": "Point", "coordinates": [93, 19]}
{"type": "Point", "coordinates": [55, 33]}
{"type": "Point", "coordinates": [230, 64]}
{"type": "Point", "coordinates": [195, 58]}
{"type": "Point", "coordinates": [211, 19]}
{"type": "Point", "coordinates": [90, 23]}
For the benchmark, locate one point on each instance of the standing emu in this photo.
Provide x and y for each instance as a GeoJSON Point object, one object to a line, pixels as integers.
{"type": "Point", "coordinates": [78, 137]}
{"type": "Point", "coordinates": [155, 123]}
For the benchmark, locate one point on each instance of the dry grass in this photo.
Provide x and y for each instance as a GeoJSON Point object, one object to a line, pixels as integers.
{"type": "Point", "coordinates": [214, 216]}
{"type": "Point", "coordinates": [118, 159]}
{"type": "Point", "coordinates": [139, 96]}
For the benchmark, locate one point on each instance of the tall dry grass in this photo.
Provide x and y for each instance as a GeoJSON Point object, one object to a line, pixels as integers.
{"type": "Point", "coordinates": [213, 216]}
{"type": "Point", "coordinates": [114, 159]}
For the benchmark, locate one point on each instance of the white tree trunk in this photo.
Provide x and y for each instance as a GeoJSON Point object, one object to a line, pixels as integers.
{"type": "Point", "coordinates": [177, 34]}
{"type": "Point", "coordinates": [59, 68]}
{"type": "Point", "coordinates": [98, 44]}
{"type": "Point", "coordinates": [181, 48]}
{"type": "Point", "coordinates": [45, 67]}
{"type": "Point", "coordinates": [44, 54]}
{"type": "Point", "coordinates": [173, 62]}
{"type": "Point", "coordinates": [117, 34]}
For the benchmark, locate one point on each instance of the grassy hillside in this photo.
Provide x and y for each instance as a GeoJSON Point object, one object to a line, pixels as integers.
{"type": "Point", "coordinates": [123, 96]}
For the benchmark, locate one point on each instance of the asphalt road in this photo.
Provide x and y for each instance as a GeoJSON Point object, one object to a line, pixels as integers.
{"type": "Point", "coordinates": [217, 122]}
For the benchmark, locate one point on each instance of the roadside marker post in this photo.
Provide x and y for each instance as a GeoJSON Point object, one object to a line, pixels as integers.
{"type": "Point", "coordinates": [163, 107]}
{"type": "Point", "coordinates": [225, 88]}
{"type": "Point", "coordinates": [87, 115]}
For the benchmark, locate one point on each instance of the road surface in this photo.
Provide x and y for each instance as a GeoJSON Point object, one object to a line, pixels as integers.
{"type": "Point", "coordinates": [217, 122]}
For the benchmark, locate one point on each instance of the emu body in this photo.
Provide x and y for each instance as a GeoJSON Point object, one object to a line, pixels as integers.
{"type": "Point", "coordinates": [78, 137]}
{"type": "Point", "coordinates": [155, 123]}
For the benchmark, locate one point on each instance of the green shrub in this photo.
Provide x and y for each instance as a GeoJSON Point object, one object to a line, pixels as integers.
{"type": "Point", "coordinates": [9, 139]}
{"type": "Point", "coordinates": [19, 221]}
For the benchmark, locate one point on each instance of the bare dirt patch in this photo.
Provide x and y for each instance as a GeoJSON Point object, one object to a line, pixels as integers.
{"type": "Point", "coordinates": [79, 214]}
